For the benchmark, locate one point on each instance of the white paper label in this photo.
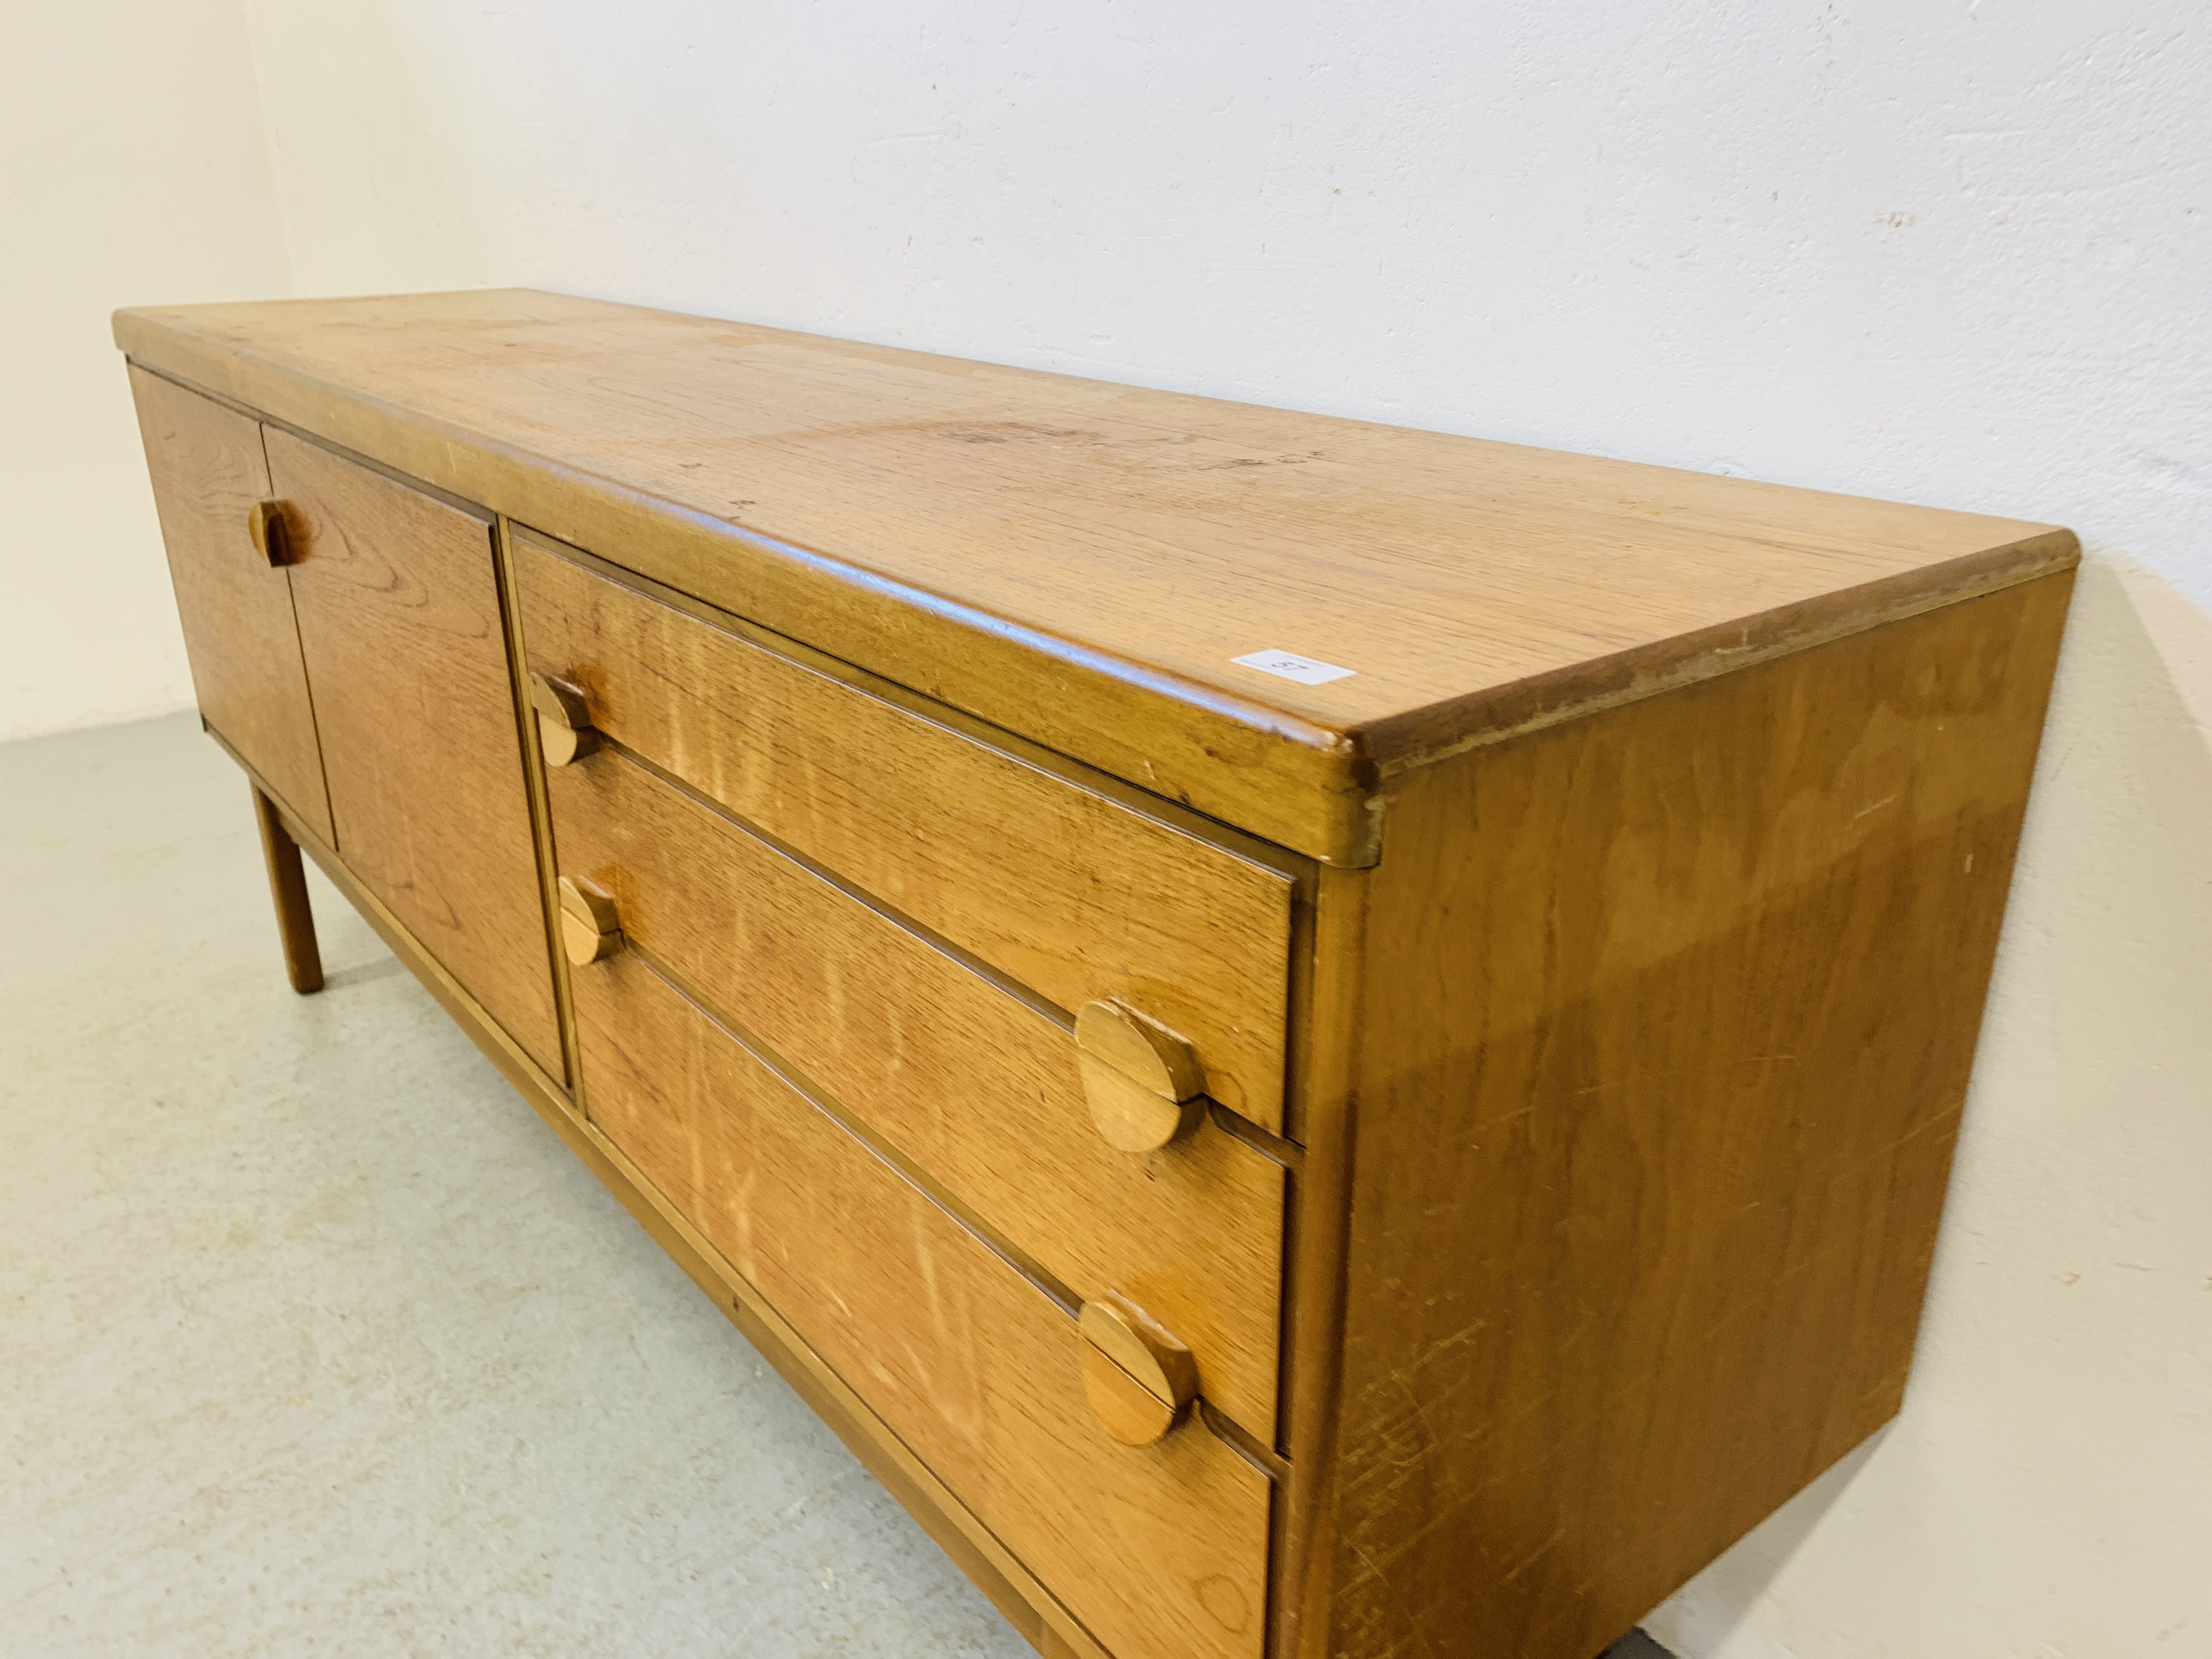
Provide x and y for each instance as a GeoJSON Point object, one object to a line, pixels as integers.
{"type": "Point", "coordinates": [1304, 670]}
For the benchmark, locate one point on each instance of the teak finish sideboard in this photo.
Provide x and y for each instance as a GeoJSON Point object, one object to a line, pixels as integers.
{"type": "Point", "coordinates": [1314, 1040]}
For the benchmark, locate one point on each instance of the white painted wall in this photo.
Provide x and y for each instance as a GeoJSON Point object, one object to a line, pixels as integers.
{"type": "Point", "coordinates": [134, 167]}
{"type": "Point", "coordinates": [1945, 251]}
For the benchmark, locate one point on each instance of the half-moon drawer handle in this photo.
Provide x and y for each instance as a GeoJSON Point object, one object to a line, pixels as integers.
{"type": "Point", "coordinates": [1144, 1082]}
{"type": "Point", "coordinates": [589, 930]}
{"type": "Point", "coordinates": [1138, 1377]}
{"type": "Point", "coordinates": [274, 532]}
{"type": "Point", "coordinates": [565, 732]}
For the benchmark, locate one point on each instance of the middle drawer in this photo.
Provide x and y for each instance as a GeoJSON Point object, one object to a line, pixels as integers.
{"type": "Point", "coordinates": [971, 1085]}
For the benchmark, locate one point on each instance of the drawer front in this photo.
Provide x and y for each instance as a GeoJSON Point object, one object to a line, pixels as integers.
{"type": "Point", "coordinates": [976, 1087]}
{"type": "Point", "coordinates": [1160, 1550]}
{"type": "Point", "coordinates": [400, 621]}
{"type": "Point", "coordinates": [209, 471]}
{"type": "Point", "coordinates": [1062, 887]}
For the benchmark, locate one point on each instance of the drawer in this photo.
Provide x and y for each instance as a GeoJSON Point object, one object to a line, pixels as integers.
{"type": "Point", "coordinates": [1065, 889]}
{"type": "Point", "coordinates": [976, 1087]}
{"type": "Point", "coordinates": [1160, 1550]}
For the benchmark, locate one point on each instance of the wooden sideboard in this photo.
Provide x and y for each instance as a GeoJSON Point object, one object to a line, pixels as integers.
{"type": "Point", "coordinates": [1314, 1040]}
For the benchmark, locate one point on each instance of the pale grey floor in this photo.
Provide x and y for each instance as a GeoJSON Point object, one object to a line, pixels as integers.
{"type": "Point", "coordinates": [314, 1340]}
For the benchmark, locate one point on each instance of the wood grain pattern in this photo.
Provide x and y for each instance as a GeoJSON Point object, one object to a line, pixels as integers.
{"type": "Point", "coordinates": [1329, 1024]}
{"type": "Point", "coordinates": [1625, 1080]}
{"type": "Point", "coordinates": [1688, 994]}
{"type": "Point", "coordinates": [1139, 1376]}
{"type": "Point", "coordinates": [590, 926]}
{"type": "Point", "coordinates": [1064, 889]}
{"type": "Point", "coordinates": [399, 620]}
{"type": "Point", "coordinates": [1160, 1550]}
{"type": "Point", "coordinates": [974, 1086]}
{"type": "Point", "coordinates": [1126, 1408]}
{"type": "Point", "coordinates": [209, 471]}
{"type": "Point", "coordinates": [561, 721]}
{"type": "Point", "coordinates": [1081, 562]}
{"type": "Point", "coordinates": [541, 819]}
{"type": "Point", "coordinates": [287, 888]}
{"type": "Point", "coordinates": [1040, 1617]}
{"type": "Point", "coordinates": [1144, 1082]}
{"type": "Point", "coordinates": [1158, 1061]}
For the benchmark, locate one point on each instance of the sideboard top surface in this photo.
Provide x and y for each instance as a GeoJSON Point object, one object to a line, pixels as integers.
{"type": "Point", "coordinates": [1081, 561]}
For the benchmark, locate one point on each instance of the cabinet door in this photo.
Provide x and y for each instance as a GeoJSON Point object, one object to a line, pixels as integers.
{"type": "Point", "coordinates": [399, 617]}
{"type": "Point", "coordinates": [207, 471]}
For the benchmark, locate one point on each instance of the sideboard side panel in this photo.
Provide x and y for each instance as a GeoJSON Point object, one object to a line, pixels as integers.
{"type": "Point", "coordinates": [1669, 1016]}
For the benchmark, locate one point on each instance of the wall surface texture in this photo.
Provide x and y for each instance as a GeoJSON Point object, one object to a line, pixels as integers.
{"type": "Point", "coordinates": [1945, 251]}
{"type": "Point", "coordinates": [134, 163]}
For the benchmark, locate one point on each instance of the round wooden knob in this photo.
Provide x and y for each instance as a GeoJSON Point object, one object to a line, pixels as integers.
{"type": "Point", "coordinates": [1139, 1378]}
{"type": "Point", "coordinates": [565, 732]}
{"type": "Point", "coordinates": [270, 526]}
{"type": "Point", "coordinates": [590, 931]}
{"type": "Point", "coordinates": [1144, 1083]}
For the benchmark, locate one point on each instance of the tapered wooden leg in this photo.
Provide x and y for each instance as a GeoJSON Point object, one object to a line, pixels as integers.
{"type": "Point", "coordinates": [287, 886]}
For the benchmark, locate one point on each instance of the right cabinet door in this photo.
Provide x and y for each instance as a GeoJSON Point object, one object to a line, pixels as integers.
{"type": "Point", "coordinates": [400, 614]}
{"type": "Point", "coordinates": [208, 472]}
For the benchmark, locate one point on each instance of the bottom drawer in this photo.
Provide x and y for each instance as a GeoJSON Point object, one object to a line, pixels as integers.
{"type": "Point", "coordinates": [1160, 1550]}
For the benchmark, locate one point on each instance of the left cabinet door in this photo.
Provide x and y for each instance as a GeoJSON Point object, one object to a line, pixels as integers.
{"type": "Point", "coordinates": [398, 595]}
{"type": "Point", "coordinates": [208, 472]}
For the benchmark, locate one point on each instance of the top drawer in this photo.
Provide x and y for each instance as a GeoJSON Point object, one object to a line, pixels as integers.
{"type": "Point", "coordinates": [1062, 887]}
